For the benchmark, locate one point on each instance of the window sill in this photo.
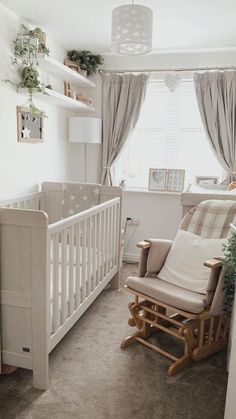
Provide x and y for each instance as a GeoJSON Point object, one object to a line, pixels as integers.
{"type": "Point", "coordinates": [146, 191]}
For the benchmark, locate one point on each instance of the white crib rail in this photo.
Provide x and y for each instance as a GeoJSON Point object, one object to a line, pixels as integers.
{"type": "Point", "coordinates": [84, 258]}
{"type": "Point", "coordinates": [33, 201]}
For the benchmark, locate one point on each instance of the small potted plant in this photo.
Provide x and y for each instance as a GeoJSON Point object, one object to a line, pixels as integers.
{"type": "Point", "coordinates": [88, 62]}
{"type": "Point", "coordinates": [27, 45]}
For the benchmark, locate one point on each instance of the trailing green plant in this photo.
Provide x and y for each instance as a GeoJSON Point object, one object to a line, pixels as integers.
{"type": "Point", "coordinates": [86, 60]}
{"type": "Point", "coordinates": [29, 79]}
{"type": "Point", "coordinates": [26, 48]}
{"type": "Point", "coordinates": [229, 264]}
{"type": "Point", "coordinates": [28, 44]}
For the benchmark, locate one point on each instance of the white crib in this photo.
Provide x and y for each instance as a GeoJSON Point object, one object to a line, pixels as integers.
{"type": "Point", "coordinates": [53, 266]}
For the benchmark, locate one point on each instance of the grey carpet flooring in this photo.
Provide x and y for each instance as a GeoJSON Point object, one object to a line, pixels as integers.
{"type": "Point", "coordinates": [92, 378]}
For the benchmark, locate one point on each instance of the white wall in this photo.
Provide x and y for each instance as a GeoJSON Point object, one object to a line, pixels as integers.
{"type": "Point", "coordinates": [23, 166]}
{"type": "Point", "coordinates": [159, 216]}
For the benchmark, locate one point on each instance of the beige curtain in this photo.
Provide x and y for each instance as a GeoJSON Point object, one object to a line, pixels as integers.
{"type": "Point", "coordinates": [216, 97]}
{"type": "Point", "coordinates": [122, 98]}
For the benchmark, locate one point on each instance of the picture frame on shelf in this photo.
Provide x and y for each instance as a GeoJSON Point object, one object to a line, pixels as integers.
{"type": "Point", "coordinates": [72, 65]}
{"type": "Point", "coordinates": [175, 180]}
{"type": "Point", "coordinates": [207, 180]}
{"type": "Point", "coordinates": [30, 128]}
{"type": "Point", "coordinates": [157, 179]}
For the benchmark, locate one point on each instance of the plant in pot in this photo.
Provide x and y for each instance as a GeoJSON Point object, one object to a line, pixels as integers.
{"type": "Point", "coordinates": [87, 61]}
{"type": "Point", "coordinates": [29, 79]}
{"type": "Point", "coordinates": [28, 44]}
{"type": "Point", "coordinates": [229, 264]}
{"type": "Point", "coordinates": [26, 48]}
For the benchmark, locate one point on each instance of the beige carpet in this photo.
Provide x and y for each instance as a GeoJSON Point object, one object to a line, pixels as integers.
{"type": "Point", "coordinates": [92, 378]}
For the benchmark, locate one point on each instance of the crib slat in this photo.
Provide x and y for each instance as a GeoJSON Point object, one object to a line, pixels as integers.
{"type": "Point", "coordinates": [55, 313]}
{"type": "Point", "coordinates": [108, 224]}
{"type": "Point", "coordinates": [98, 248]}
{"type": "Point", "coordinates": [114, 235]}
{"type": "Point", "coordinates": [105, 240]}
{"type": "Point", "coordinates": [117, 234]}
{"type": "Point", "coordinates": [102, 244]}
{"type": "Point", "coordinates": [94, 251]}
{"type": "Point", "coordinates": [78, 268]}
{"type": "Point", "coordinates": [111, 236]}
{"type": "Point", "coordinates": [71, 270]}
{"type": "Point", "coordinates": [84, 270]}
{"type": "Point", "coordinates": [89, 259]}
{"type": "Point", "coordinates": [64, 308]}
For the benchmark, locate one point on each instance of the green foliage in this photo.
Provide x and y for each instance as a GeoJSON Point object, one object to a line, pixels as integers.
{"type": "Point", "coordinates": [86, 60]}
{"type": "Point", "coordinates": [28, 44]}
{"type": "Point", "coordinates": [229, 264]}
{"type": "Point", "coordinates": [29, 80]}
{"type": "Point", "coordinates": [26, 47]}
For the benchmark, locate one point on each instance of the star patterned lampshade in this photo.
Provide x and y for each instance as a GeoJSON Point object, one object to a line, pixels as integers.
{"type": "Point", "coordinates": [132, 30]}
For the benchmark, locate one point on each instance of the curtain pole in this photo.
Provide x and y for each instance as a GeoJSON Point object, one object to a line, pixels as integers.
{"type": "Point", "coordinates": [175, 70]}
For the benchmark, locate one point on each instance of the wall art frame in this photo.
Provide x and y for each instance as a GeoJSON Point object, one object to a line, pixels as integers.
{"type": "Point", "coordinates": [30, 128]}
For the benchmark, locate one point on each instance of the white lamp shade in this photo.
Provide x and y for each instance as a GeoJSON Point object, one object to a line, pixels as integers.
{"type": "Point", "coordinates": [85, 130]}
{"type": "Point", "coordinates": [132, 29]}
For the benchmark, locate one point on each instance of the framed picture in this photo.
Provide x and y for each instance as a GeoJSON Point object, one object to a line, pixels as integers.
{"type": "Point", "coordinates": [157, 179]}
{"type": "Point", "coordinates": [29, 127]}
{"type": "Point", "coordinates": [207, 180]}
{"type": "Point", "coordinates": [175, 180]}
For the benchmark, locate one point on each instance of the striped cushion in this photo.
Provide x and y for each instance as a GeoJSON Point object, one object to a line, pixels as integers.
{"type": "Point", "coordinates": [211, 219]}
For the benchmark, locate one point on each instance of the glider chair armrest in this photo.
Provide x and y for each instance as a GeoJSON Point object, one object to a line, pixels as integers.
{"type": "Point", "coordinates": [153, 255]}
{"type": "Point", "coordinates": [213, 263]}
{"type": "Point", "coordinates": [144, 245]}
{"type": "Point", "coordinates": [214, 291]}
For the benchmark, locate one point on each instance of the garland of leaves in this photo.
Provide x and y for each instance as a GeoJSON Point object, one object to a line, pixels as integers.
{"type": "Point", "coordinates": [229, 264]}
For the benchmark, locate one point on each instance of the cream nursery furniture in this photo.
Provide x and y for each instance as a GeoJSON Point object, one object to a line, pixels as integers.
{"type": "Point", "coordinates": [170, 296]}
{"type": "Point", "coordinates": [59, 249]}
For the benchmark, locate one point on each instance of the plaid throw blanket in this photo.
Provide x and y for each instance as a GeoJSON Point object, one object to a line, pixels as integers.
{"type": "Point", "coordinates": [211, 219]}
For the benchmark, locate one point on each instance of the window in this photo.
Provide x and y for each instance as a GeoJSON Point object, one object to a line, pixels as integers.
{"type": "Point", "coordinates": [169, 134]}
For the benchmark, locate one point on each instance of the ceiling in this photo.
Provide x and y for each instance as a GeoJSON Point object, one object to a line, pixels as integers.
{"type": "Point", "coordinates": [178, 24]}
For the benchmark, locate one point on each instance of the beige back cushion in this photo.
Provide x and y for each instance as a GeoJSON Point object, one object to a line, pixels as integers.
{"type": "Point", "coordinates": [210, 219]}
{"type": "Point", "coordinates": [184, 265]}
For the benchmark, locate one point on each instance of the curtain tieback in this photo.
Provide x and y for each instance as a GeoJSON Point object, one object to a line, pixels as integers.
{"type": "Point", "coordinates": [106, 167]}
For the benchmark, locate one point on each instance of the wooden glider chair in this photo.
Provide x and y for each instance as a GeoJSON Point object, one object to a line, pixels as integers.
{"type": "Point", "coordinates": [183, 305]}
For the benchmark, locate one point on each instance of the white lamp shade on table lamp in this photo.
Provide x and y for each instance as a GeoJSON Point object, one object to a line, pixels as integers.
{"type": "Point", "coordinates": [85, 130]}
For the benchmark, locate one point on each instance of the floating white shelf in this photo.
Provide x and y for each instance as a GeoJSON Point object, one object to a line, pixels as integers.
{"type": "Point", "coordinates": [59, 70]}
{"type": "Point", "coordinates": [56, 98]}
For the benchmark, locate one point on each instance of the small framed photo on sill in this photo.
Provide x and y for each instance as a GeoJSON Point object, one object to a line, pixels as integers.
{"type": "Point", "coordinates": [206, 180]}
{"type": "Point", "coordinates": [157, 179]}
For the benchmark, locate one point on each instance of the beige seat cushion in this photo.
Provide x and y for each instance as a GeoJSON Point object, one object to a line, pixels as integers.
{"type": "Point", "coordinates": [169, 294]}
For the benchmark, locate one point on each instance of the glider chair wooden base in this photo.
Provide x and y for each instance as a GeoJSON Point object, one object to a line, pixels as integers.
{"type": "Point", "coordinates": [201, 334]}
